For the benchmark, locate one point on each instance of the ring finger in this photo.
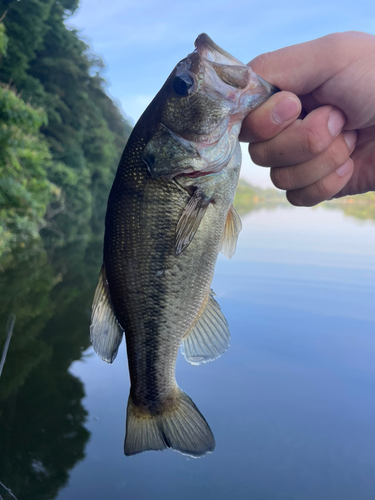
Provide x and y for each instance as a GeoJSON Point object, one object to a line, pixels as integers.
{"type": "Point", "coordinates": [309, 172]}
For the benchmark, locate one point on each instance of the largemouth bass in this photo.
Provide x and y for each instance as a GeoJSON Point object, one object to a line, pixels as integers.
{"type": "Point", "coordinates": [169, 213]}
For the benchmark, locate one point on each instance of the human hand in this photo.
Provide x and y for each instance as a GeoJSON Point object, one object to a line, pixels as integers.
{"type": "Point", "coordinates": [320, 144]}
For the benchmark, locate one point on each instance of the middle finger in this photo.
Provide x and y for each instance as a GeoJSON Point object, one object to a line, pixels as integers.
{"type": "Point", "coordinates": [301, 141]}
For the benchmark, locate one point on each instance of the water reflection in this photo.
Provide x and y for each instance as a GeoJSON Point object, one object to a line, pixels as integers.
{"type": "Point", "coordinates": [42, 419]}
{"type": "Point", "coordinates": [291, 403]}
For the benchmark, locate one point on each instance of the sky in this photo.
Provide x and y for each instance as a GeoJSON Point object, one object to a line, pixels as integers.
{"type": "Point", "coordinates": [141, 41]}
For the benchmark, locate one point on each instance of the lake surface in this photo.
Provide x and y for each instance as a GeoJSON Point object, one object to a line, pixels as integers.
{"type": "Point", "coordinates": [291, 403]}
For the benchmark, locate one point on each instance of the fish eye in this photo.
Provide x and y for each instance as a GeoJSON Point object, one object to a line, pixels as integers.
{"type": "Point", "coordinates": [182, 84]}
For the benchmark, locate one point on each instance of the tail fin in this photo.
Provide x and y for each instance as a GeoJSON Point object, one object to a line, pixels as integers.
{"type": "Point", "coordinates": [180, 426]}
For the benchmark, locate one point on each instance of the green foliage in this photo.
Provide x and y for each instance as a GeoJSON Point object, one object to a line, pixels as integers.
{"type": "Point", "coordinates": [3, 40]}
{"type": "Point", "coordinates": [84, 131]}
{"type": "Point", "coordinates": [24, 159]}
{"type": "Point", "coordinates": [25, 25]}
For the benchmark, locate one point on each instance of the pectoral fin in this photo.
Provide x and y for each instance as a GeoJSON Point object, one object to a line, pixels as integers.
{"type": "Point", "coordinates": [190, 219]}
{"type": "Point", "coordinates": [105, 332]}
{"type": "Point", "coordinates": [209, 337]}
{"type": "Point", "coordinates": [233, 226]}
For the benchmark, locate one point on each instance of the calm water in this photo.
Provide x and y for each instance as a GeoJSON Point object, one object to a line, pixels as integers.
{"type": "Point", "coordinates": [291, 404]}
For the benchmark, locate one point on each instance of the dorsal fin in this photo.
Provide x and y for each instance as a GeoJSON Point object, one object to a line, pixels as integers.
{"type": "Point", "coordinates": [209, 337]}
{"type": "Point", "coordinates": [105, 332]}
{"type": "Point", "coordinates": [233, 226]}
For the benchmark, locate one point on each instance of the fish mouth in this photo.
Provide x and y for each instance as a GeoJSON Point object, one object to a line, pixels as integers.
{"type": "Point", "coordinates": [230, 70]}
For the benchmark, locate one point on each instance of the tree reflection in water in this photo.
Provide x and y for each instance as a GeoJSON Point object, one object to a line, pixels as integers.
{"type": "Point", "coordinates": [42, 432]}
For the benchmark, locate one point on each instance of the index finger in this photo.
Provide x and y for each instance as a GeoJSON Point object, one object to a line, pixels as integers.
{"type": "Point", "coordinates": [304, 67]}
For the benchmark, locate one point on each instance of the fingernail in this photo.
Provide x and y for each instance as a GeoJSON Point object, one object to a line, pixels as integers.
{"type": "Point", "coordinates": [350, 137]}
{"type": "Point", "coordinates": [336, 121]}
{"type": "Point", "coordinates": [285, 110]}
{"type": "Point", "coordinates": [344, 169]}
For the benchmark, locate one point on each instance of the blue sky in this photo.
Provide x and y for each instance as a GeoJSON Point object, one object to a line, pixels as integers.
{"type": "Point", "coordinates": [141, 41]}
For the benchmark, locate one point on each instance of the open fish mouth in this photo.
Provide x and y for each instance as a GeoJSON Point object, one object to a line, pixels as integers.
{"type": "Point", "coordinates": [233, 72]}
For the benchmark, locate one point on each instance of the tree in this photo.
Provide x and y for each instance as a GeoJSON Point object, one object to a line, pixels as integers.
{"type": "Point", "coordinates": [84, 132]}
{"type": "Point", "coordinates": [25, 189]}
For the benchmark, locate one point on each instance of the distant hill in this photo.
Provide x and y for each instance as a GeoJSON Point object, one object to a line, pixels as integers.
{"type": "Point", "coordinates": [361, 206]}
{"type": "Point", "coordinates": [249, 198]}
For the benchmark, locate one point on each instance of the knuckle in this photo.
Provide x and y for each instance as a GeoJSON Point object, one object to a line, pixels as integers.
{"type": "Point", "coordinates": [313, 142]}
{"type": "Point", "coordinates": [322, 189]}
{"type": "Point", "coordinates": [311, 195]}
{"type": "Point", "coordinates": [258, 153]}
{"type": "Point", "coordinates": [338, 152]}
{"type": "Point", "coordinates": [256, 130]}
{"type": "Point", "coordinates": [281, 178]}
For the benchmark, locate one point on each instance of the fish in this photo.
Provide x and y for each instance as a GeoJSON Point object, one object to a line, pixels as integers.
{"type": "Point", "coordinates": [170, 211]}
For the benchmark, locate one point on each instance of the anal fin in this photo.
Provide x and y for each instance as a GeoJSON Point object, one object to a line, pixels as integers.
{"type": "Point", "coordinates": [209, 337]}
{"type": "Point", "coordinates": [233, 226]}
{"type": "Point", "coordinates": [105, 332]}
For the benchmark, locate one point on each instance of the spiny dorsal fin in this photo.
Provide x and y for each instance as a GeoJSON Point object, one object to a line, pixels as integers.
{"type": "Point", "coordinates": [190, 219]}
{"type": "Point", "coordinates": [209, 337]}
{"type": "Point", "coordinates": [233, 226]}
{"type": "Point", "coordinates": [105, 332]}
